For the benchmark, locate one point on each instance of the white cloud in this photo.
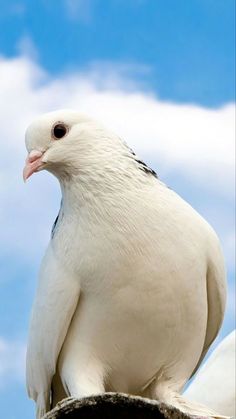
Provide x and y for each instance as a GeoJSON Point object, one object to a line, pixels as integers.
{"type": "Point", "coordinates": [181, 140]}
{"type": "Point", "coordinates": [79, 10]}
{"type": "Point", "coordinates": [13, 8]}
{"type": "Point", "coordinates": [12, 361]}
{"type": "Point", "coordinates": [27, 48]}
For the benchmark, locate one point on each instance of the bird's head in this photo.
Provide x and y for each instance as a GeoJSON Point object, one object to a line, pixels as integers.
{"type": "Point", "coordinates": [75, 147]}
{"type": "Point", "coordinates": [66, 143]}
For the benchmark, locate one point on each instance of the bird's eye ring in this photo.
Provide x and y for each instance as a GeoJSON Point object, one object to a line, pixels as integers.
{"type": "Point", "coordinates": [59, 131]}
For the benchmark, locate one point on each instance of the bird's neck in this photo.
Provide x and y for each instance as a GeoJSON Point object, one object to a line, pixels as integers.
{"type": "Point", "coordinates": [97, 195]}
{"type": "Point", "coordinates": [85, 196]}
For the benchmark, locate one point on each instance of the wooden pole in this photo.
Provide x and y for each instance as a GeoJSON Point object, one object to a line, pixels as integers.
{"type": "Point", "coordinates": [113, 406]}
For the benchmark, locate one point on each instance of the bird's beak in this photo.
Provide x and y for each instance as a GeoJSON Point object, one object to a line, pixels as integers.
{"type": "Point", "coordinates": [33, 163]}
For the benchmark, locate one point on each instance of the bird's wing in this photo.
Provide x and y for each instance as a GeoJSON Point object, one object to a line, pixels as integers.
{"type": "Point", "coordinates": [56, 300]}
{"type": "Point", "coordinates": [216, 298]}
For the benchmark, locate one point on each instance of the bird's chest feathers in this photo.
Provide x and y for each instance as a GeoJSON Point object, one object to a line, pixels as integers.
{"type": "Point", "coordinates": [89, 249]}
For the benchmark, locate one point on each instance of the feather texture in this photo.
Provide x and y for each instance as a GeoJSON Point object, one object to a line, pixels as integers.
{"type": "Point", "coordinates": [214, 384]}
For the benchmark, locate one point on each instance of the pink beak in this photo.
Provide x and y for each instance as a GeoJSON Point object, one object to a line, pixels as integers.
{"type": "Point", "coordinates": [32, 163]}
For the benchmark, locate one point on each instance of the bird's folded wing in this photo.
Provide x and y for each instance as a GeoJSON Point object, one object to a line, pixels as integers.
{"type": "Point", "coordinates": [216, 298]}
{"type": "Point", "coordinates": [56, 300]}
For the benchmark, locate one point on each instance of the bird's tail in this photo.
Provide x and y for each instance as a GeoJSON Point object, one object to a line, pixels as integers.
{"type": "Point", "coordinates": [192, 408]}
{"type": "Point", "coordinates": [164, 394]}
{"type": "Point", "coordinates": [42, 405]}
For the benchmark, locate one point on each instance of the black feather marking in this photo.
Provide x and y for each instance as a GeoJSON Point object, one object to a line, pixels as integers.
{"type": "Point", "coordinates": [142, 166]}
{"type": "Point", "coordinates": [55, 224]}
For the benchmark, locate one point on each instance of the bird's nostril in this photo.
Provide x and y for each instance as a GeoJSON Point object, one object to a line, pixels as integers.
{"type": "Point", "coordinates": [34, 155]}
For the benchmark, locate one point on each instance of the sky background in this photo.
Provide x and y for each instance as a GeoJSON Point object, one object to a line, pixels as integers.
{"type": "Point", "coordinates": [160, 73]}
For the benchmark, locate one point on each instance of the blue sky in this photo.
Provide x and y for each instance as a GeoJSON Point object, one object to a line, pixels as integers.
{"type": "Point", "coordinates": [185, 47]}
{"type": "Point", "coordinates": [161, 74]}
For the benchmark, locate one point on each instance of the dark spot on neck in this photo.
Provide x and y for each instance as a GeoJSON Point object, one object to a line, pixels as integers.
{"type": "Point", "coordinates": [56, 222]}
{"type": "Point", "coordinates": [141, 165]}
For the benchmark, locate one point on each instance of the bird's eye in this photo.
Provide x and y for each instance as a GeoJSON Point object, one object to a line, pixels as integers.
{"type": "Point", "coordinates": [59, 131]}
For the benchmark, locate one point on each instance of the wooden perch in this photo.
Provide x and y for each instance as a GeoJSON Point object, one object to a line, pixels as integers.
{"type": "Point", "coordinates": [113, 406]}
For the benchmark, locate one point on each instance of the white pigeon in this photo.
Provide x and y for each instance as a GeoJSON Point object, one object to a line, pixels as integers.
{"type": "Point", "coordinates": [132, 287]}
{"type": "Point", "coordinates": [214, 385]}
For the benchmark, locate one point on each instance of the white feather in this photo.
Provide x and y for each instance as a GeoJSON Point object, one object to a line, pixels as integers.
{"type": "Point", "coordinates": [214, 384]}
{"type": "Point", "coordinates": [54, 306]}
